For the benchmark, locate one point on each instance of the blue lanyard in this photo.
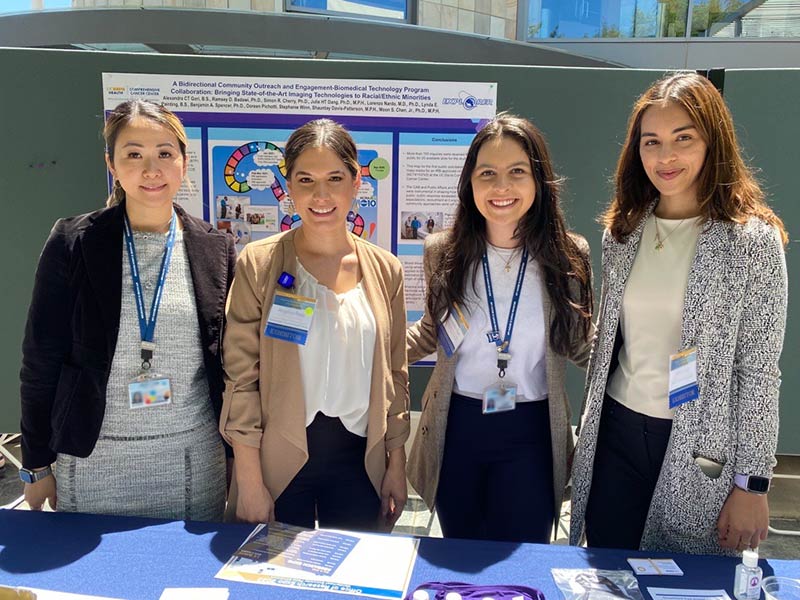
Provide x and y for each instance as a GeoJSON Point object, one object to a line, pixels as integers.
{"type": "Point", "coordinates": [147, 327]}
{"type": "Point", "coordinates": [503, 344]}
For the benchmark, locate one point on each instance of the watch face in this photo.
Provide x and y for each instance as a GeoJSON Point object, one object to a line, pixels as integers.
{"type": "Point", "coordinates": [758, 484]}
{"type": "Point", "coordinates": [26, 476]}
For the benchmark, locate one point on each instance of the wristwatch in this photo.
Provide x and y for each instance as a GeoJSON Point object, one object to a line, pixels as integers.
{"type": "Point", "coordinates": [29, 476]}
{"type": "Point", "coordinates": [752, 483]}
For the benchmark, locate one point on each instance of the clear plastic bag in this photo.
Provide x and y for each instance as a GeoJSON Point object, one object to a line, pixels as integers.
{"type": "Point", "coordinates": [597, 584]}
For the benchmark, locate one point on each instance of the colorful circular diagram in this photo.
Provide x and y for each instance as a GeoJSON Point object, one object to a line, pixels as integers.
{"type": "Point", "coordinates": [355, 223]}
{"type": "Point", "coordinates": [232, 177]}
{"type": "Point", "coordinates": [290, 221]}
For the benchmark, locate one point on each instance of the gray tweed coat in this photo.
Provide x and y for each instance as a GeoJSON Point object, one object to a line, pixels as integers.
{"type": "Point", "coordinates": [425, 459]}
{"type": "Point", "coordinates": [734, 313]}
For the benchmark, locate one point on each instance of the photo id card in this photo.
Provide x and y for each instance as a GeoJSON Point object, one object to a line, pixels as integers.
{"type": "Point", "coordinates": [500, 397]}
{"type": "Point", "coordinates": [452, 330]}
{"type": "Point", "coordinates": [683, 377]}
{"type": "Point", "coordinates": [150, 390]}
{"type": "Point", "coordinates": [290, 317]}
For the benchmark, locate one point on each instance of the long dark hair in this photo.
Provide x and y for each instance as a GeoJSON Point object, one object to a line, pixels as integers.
{"type": "Point", "coordinates": [566, 270]}
{"type": "Point", "coordinates": [726, 187]}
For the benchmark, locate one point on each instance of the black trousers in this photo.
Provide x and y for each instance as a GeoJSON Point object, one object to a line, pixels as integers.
{"type": "Point", "coordinates": [496, 480]}
{"type": "Point", "coordinates": [628, 457]}
{"type": "Point", "coordinates": [333, 486]}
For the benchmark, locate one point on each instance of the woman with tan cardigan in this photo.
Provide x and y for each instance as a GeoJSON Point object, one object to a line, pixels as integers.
{"type": "Point", "coordinates": [316, 402]}
{"type": "Point", "coordinates": [509, 302]}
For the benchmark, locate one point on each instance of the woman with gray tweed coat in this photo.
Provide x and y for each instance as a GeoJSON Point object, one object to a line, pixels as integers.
{"type": "Point", "coordinates": [680, 423]}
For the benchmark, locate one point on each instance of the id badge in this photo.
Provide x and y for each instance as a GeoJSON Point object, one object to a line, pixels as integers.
{"type": "Point", "coordinates": [290, 317]}
{"type": "Point", "coordinates": [683, 386]}
{"type": "Point", "coordinates": [149, 390]}
{"type": "Point", "coordinates": [452, 330]}
{"type": "Point", "coordinates": [500, 397]}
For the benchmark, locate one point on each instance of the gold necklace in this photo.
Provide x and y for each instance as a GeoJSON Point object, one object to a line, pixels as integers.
{"type": "Point", "coordinates": [659, 240]}
{"type": "Point", "coordinates": [507, 267]}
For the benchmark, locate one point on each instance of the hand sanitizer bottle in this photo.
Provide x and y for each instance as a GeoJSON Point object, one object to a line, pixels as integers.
{"type": "Point", "coordinates": [747, 585]}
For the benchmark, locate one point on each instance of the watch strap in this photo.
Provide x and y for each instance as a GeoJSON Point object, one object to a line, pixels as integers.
{"type": "Point", "coordinates": [752, 483]}
{"type": "Point", "coordinates": [29, 476]}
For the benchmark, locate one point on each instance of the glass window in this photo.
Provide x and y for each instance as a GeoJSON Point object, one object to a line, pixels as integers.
{"type": "Point", "coordinates": [738, 18]}
{"type": "Point", "coordinates": [571, 19]}
{"type": "Point", "coordinates": [375, 9]}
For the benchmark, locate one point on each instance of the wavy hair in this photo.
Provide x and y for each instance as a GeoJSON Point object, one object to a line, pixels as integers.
{"type": "Point", "coordinates": [727, 190]}
{"type": "Point", "coordinates": [542, 230]}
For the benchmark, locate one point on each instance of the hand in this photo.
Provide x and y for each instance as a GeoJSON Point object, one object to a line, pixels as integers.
{"type": "Point", "coordinates": [254, 504]}
{"type": "Point", "coordinates": [743, 521]}
{"type": "Point", "coordinates": [37, 493]}
{"type": "Point", "coordinates": [394, 490]}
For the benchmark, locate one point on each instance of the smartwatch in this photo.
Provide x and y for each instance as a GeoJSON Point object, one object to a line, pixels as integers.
{"type": "Point", "coordinates": [29, 476]}
{"type": "Point", "coordinates": [752, 483]}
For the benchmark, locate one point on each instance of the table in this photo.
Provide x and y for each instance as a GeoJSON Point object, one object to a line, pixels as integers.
{"type": "Point", "coordinates": [135, 559]}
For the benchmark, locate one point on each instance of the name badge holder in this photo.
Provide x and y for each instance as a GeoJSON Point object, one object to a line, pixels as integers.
{"type": "Point", "coordinates": [452, 330]}
{"type": "Point", "coordinates": [290, 315]}
{"type": "Point", "coordinates": [502, 396]}
{"type": "Point", "coordinates": [683, 385]}
{"type": "Point", "coordinates": [149, 388]}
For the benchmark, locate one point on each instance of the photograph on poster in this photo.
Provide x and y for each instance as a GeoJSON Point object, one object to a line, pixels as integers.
{"type": "Point", "coordinates": [262, 218]}
{"type": "Point", "coordinates": [417, 225]}
{"type": "Point", "coordinates": [230, 207]}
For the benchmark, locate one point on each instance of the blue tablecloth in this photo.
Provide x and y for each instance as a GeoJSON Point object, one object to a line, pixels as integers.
{"type": "Point", "coordinates": [136, 559]}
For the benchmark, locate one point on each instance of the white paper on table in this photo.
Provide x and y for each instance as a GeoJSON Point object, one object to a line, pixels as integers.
{"type": "Point", "coordinates": [195, 594]}
{"type": "Point", "coordinates": [658, 593]}
{"type": "Point", "coordinates": [326, 560]}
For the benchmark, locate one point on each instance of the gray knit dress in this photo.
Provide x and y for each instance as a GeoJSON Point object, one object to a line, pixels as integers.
{"type": "Point", "coordinates": [162, 461]}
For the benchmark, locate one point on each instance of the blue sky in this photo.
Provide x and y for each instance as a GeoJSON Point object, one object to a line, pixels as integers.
{"type": "Point", "coordinates": [9, 6]}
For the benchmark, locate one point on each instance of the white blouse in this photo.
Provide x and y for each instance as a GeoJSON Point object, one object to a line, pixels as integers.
{"type": "Point", "coordinates": [476, 357]}
{"type": "Point", "coordinates": [651, 315]}
{"type": "Point", "coordinates": [336, 360]}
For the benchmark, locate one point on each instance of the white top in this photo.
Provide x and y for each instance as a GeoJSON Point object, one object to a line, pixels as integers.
{"type": "Point", "coordinates": [652, 315]}
{"type": "Point", "coordinates": [336, 360]}
{"type": "Point", "coordinates": [476, 357]}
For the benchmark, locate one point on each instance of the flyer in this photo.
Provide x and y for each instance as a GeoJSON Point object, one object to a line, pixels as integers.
{"type": "Point", "coordinates": [377, 566]}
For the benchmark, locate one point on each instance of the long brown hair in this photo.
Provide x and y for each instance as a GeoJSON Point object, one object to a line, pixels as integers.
{"type": "Point", "coordinates": [726, 187]}
{"type": "Point", "coordinates": [122, 115]}
{"type": "Point", "coordinates": [542, 230]}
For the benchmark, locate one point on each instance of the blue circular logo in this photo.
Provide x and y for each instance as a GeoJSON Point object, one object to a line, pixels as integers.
{"type": "Point", "coordinates": [470, 102]}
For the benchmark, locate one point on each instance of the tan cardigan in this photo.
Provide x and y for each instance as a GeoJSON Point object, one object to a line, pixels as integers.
{"type": "Point", "coordinates": [263, 405]}
{"type": "Point", "coordinates": [425, 460]}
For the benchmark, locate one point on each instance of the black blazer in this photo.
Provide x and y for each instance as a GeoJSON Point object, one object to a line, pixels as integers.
{"type": "Point", "coordinates": [73, 322]}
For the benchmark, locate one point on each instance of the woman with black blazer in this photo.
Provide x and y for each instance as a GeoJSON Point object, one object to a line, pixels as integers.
{"type": "Point", "coordinates": [121, 372]}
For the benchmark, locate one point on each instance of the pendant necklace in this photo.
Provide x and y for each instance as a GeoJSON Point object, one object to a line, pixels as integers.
{"type": "Point", "coordinates": [507, 265]}
{"type": "Point", "coordinates": [659, 241]}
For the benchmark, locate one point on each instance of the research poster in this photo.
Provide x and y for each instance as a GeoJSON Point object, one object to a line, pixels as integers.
{"type": "Point", "coordinates": [412, 137]}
